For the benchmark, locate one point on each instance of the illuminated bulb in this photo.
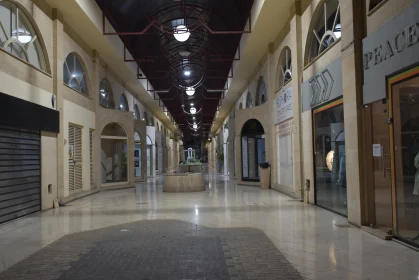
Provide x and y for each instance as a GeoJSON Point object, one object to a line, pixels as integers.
{"type": "Point", "coordinates": [338, 31]}
{"type": "Point", "coordinates": [195, 126]}
{"type": "Point", "coordinates": [181, 33]}
{"type": "Point", "coordinates": [187, 73]}
{"type": "Point", "coordinates": [193, 110]}
{"type": "Point", "coordinates": [190, 91]}
{"type": "Point", "coordinates": [22, 35]}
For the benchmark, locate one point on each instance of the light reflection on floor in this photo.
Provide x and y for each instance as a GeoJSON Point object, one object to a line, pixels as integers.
{"type": "Point", "coordinates": [311, 238]}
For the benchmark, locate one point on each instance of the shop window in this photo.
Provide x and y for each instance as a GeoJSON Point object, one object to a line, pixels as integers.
{"type": "Point", "coordinates": [157, 156]}
{"type": "Point", "coordinates": [253, 149]}
{"type": "Point", "coordinates": [148, 151]}
{"type": "Point", "coordinates": [404, 135]}
{"type": "Point", "coordinates": [91, 155]}
{"type": "Point", "coordinates": [137, 156]}
{"type": "Point", "coordinates": [284, 67]}
{"type": "Point", "coordinates": [261, 95]}
{"type": "Point", "coordinates": [330, 158]}
{"type": "Point", "coordinates": [114, 154]}
{"type": "Point", "coordinates": [326, 28]}
{"type": "Point", "coordinates": [75, 75]}
{"type": "Point", "coordinates": [136, 112]}
{"type": "Point", "coordinates": [123, 103]}
{"type": "Point", "coordinates": [249, 101]}
{"type": "Point", "coordinates": [18, 36]}
{"type": "Point", "coordinates": [105, 95]}
{"type": "Point", "coordinates": [375, 3]}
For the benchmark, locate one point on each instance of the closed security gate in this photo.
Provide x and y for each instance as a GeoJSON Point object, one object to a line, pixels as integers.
{"type": "Point", "coordinates": [20, 173]}
{"type": "Point", "coordinates": [75, 158]}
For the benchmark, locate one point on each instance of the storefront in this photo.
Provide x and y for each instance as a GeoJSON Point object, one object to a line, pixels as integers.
{"type": "Point", "coordinates": [114, 154]}
{"type": "Point", "coordinates": [391, 126]}
{"type": "Point", "coordinates": [24, 131]}
{"type": "Point", "coordinates": [322, 94]}
{"type": "Point", "coordinates": [284, 141]}
{"type": "Point", "coordinates": [252, 149]}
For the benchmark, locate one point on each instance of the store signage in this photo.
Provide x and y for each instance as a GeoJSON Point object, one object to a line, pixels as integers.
{"type": "Point", "coordinates": [397, 44]}
{"type": "Point", "coordinates": [283, 106]}
{"type": "Point", "coordinates": [326, 85]}
{"type": "Point", "coordinates": [392, 47]}
{"type": "Point", "coordinates": [321, 87]}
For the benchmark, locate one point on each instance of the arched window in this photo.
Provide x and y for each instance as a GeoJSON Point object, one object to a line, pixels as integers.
{"type": "Point", "coordinates": [145, 118]}
{"type": "Point", "coordinates": [249, 101]}
{"type": "Point", "coordinates": [284, 71]}
{"type": "Point", "coordinates": [261, 95]}
{"type": "Point", "coordinates": [106, 95]}
{"type": "Point", "coordinates": [136, 112]}
{"type": "Point", "coordinates": [18, 36]}
{"type": "Point", "coordinates": [75, 74]}
{"type": "Point", "coordinates": [326, 28]}
{"type": "Point", "coordinates": [123, 103]}
{"type": "Point", "coordinates": [374, 3]}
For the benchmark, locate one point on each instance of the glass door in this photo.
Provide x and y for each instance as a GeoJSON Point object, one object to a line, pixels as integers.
{"type": "Point", "coordinates": [148, 160]}
{"type": "Point", "coordinates": [137, 160]}
{"type": "Point", "coordinates": [330, 158]}
{"type": "Point", "coordinates": [404, 134]}
{"type": "Point", "coordinates": [381, 203]}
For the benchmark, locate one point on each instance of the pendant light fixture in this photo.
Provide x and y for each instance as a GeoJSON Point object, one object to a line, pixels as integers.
{"type": "Point", "coordinates": [181, 33]}
{"type": "Point", "coordinates": [190, 91]}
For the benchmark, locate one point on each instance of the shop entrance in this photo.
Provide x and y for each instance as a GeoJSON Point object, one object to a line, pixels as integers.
{"type": "Point", "coordinates": [253, 149]}
{"type": "Point", "coordinates": [148, 154]}
{"type": "Point", "coordinates": [393, 202]}
{"type": "Point", "coordinates": [404, 140]}
{"type": "Point", "coordinates": [137, 156]}
{"type": "Point", "coordinates": [330, 158]}
{"type": "Point", "coordinates": [20, 173]}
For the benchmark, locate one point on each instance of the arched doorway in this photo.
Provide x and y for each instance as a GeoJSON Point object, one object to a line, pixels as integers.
{"type": "Point", "coordinates": [137, 156]}
{"type": "Point", "coordinates": [253, 149]}
{"type": "Point", "coordinates": [114, 154]}
{"type": "Point", "coordinates": [149, 149]}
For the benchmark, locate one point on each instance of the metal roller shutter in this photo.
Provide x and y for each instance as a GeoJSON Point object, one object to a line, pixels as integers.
{"type": "Point", "coordinates": [20, 173]}
{"type": "Point", "coordinates": [75, 165]}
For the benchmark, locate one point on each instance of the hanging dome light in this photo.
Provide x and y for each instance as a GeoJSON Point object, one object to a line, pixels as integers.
{"type": "Point", "coordinates": [190, 91]}
{"type": "Point", "coordinates": [338, 31]}
{"type": "Point", "coordinates": [193, 110]}
{"type": "Point", "coordinates": [181, 33]}
{"type": "Point", "coordinates": [195, 126]}
{"type": "Point", "coordinates": [22, 35]}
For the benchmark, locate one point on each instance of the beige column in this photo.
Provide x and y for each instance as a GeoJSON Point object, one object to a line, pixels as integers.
{"type": "Point", "coordinates": [57, 74]}
{"type": "Point", "coordinates": [297, 74]}
{"type": "Point", "coordinates": [95, 82]}
{"type": "Point", "coordinates": [352, 33]}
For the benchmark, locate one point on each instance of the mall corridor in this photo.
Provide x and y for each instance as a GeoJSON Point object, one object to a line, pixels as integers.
{"type": "Point", "coordinates": [209, 139]}
{"type": "Point", "coordinates": [226, 232]}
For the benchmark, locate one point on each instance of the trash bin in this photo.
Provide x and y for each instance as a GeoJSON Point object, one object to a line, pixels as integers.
{"type": "Point", "coordinates": [265, 175]}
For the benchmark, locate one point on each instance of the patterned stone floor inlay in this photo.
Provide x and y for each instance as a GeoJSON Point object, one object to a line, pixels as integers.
{"type": "Point", "coordinates": [161, 249]}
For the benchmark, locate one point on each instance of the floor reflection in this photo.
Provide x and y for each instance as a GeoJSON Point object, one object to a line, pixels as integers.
{"type": "Point", "coordinates": [320, 244]}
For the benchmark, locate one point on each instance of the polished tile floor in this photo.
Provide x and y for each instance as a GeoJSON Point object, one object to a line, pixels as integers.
{"type": "Point", "coordinates": [319, 244]}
